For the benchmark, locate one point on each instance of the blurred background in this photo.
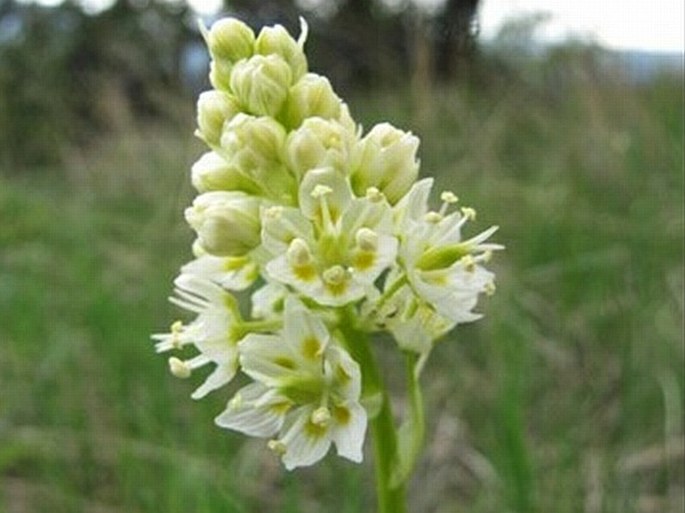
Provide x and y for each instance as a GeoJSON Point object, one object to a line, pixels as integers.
{"type": "Point", "coordinates": [562, 122]}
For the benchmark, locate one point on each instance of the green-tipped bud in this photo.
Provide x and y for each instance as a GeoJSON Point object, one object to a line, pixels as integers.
{"type": "Point", "coordinates": [227, 223]}
{"type": "Point", "coordinates": [212, 173]}
{"type": "Point", "coordinates": [214, 108]}
{"type": "Point", "coordinates": [230, 40]}
{"type": "Point", "coordinates": [386, 159]}
{"type": "Point", "coordinates": [319, 143]}
{"type": "Point", "coordinates": [276, 41]}
{"type": "Point", "coordinates": [312, 96]}
{"type": "Point", "coordinates": [261, 84]}
{"type": "Point", "coordinates": [254, 146]}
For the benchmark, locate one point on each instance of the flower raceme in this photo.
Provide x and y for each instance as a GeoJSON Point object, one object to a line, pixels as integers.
{"type": "Point", "coordinates": [329, 230]}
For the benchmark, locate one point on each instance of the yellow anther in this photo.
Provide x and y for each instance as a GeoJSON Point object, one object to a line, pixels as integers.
{"type": "Point", "coordinates": [487, 256]}
{"type": "Point", "coordinates": [367, 239]}
{"type": "Point", "coordinates": [298, 253]}
{"type": "Point", "coordinates": [449, 197]}
{"type": "Point", "coordinates": [374, 195]}
{"type": "Point", "coordinates": [469, 213]}
{"type": "Point", "coordinates": [277, 446]}
{"type": "Point", "coordinates": [320, 191]}
{"type": "Point", "coordinates": [179, 368]}
{"type": "Point", "coordinates": [490, 288]}
{"type": "Point", "coordinates": [321, 416]}
{"type": "Point", "coordinates": [334, 275]}
{"type": "Point", "coordinates": [176, 330]}
{"type": "Point", "coordinates": [433, 217]}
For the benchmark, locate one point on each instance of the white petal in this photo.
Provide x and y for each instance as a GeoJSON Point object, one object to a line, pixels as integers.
{"type": "Point", "coordinates": [280, 225]}
{"type": "Point", "coordinates": [414, 205]}
{"type": "Point", "coordinates": [221, 375]}
{"type": "Point", "coordinates": [343, 373]}
{"type": "Point", "coordinates": [305, 445]}
{"type": "Point", "coordinates": [304, 332]}
{"type": "Point", "coordinates": [337, 200]}
{"type": "Point", "coordinates": [349, 430]}
{"type": "Point", "coordinates": [268, 359]}
{"type": "Point", "coordinates": [266, 300]}
{"type": "Point", "coordinates": [255, 410]}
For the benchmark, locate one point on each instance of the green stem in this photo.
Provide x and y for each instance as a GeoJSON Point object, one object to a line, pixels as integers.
{"type": "Point", "coordinates": [391, 499]}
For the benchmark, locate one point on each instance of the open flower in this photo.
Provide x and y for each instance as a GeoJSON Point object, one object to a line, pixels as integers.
{"type": "Point", "coordinates": [306, 392]}
{"type": "Point", "coordinates": [444, 270]}
{"type": "Point", "coordinates": [212, 332]}
{"type": "Point", "coordinates": [334, 246]}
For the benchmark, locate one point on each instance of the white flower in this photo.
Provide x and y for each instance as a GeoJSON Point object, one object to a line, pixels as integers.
{"type": "Point", "coordinates": [444, 270]}
{"type": "Point", "coordinates": [212, 332]}
{"type": "Point", "coordinates": [306, 392]}
{"type": "Point", "coordinates": [334, 246]}
{"type": "Point", "coordinates": [232, 273]}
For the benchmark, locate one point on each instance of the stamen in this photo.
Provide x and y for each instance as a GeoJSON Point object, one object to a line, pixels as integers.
{"type": "Point", "coordinates": [179, 368]}
{"type": "Point", "coordinates": [334, 275]}
{"type": "Point", "coordinates": [374, 195]}
{"type": "Point", "coordinates": [448, 198]}
{"type": "Point", "coordinates": [469, 213]}
{"type": "Point", "coordinates": [175, 339]}
{"type": "Point", "coordinates": [321, 416]}
{"type": "Point", "coordinates": [433, 217]}
{"type": "Point", "coordinates": [367, 239]}
{"type": "Point", "coordinates": [298, 253]}
{"type": "Point", "coordinates": [321, 190]}
{"type": "Point", "coordinates": [277, 446]}
{"type": "Point", "coordinates": [490, 288]}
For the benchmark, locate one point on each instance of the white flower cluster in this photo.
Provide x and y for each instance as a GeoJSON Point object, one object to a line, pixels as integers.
{"type": "Point", "coordinates": [316, 219]}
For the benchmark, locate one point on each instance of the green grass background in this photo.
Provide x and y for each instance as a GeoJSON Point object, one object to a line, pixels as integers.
{"type": "Point", "coordinates": [566, 397]}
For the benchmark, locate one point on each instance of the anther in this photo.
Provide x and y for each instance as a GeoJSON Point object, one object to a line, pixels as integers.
{"type": "Point", "coordinates": [374, 195]}
{"type": "Point", "coordinates": [469, 213]}
{"type": "Point", "coordinates": [321, 416]}
{"type": "Point", "coordinates": [334, 275]}
{"type": "Point", "coordinates": [179, 368]}
{"type": "Point", "coordinates": [367, 239]}
{"type": "Point", "coordinates": [490, 288]}
{"type": "Point", "coordinates": [298, 253]}
{"type": "Point", "coordinates": [320, 191]}
{"type": "Point", "coordinates": [449, 197]}
{"type": "Point", "coordinates": [277, 446]}
{"type": "Point", "coordinates": [433, 217]}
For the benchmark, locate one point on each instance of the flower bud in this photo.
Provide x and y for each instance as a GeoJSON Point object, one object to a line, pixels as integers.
{"type": "Point", "coordinates": [212, 173]}
{"type": "Point", "coordinates": [386, 159]}
{"type": "Point", "coordinates": [254, 146]}
{"type": "Point", "coordinates": [230, 40]}
{"type": "Point", "coordinates": [252, 142]}
{"type": "Point", "coordinates": [312, 96]}
{"type": "Point", "coordinates": [214, 108]}
{"type": "Point", "coordinates": [261, 84]}
{"type": "Point", "coordinates": [319, 143]}
{"type": "Point", "coordinates": [220, 75]}
{"type": "Point", "coordinates": [276, 41]}
{"type": "Point", "coordinates": [227, 223]}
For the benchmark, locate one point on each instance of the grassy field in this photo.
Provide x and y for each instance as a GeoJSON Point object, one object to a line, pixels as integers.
{"type": "Point", "coordinates": [567, 397]}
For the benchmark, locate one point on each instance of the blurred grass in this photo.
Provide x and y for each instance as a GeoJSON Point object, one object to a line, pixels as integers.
{"type": "Point", "coordinates": [567, 397]}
